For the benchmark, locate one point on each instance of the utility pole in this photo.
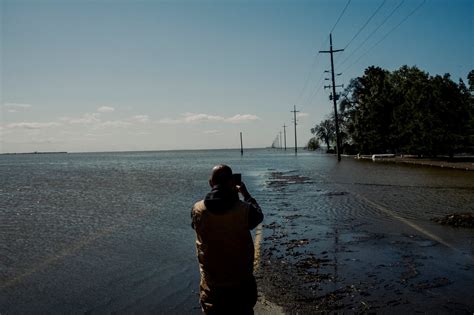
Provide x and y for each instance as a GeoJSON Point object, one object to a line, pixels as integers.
{"type": "Point", "coordinates": [334, 97]}
{"type": "Point", "coordinates": [284, 133]}
{"type": "Point", "coordinates": [281, 142]}
{"type": "Point", "coordinates": [294, 111]}
{"type": "Point", "coordinates": [241, 145]}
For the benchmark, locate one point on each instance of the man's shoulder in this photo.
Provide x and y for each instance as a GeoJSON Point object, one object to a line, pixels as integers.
{"type": "Point", "coordinates": [199, 207]}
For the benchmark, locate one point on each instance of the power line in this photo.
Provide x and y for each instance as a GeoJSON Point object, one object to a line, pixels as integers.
{"type": "Point", "coordinates": [386, 35]}
{"type": "Point", "coordinates": [366, 23]}
{"type": "Point", "coordinates": [319, 85]}
{"type": "Point", "coordinates": [309, 73]}
{"type": "Point", "coordinates": [311, 96]}
{"type": "Point", "coordinates": [340, 15]}
{"type": "Point", "coordinates": [373, 32]}
{"type": "Point", "coordinates": [307, 80]}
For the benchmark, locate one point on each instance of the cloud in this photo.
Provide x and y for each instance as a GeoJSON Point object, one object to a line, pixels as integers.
{"type": "Point", "coordinates": [211, 132]}
{"type": "Point", "coordinates": [242, 118]}
{"type": "Point", "coordinates": [169, 121]}
{"type": "Point", "coordinates": [15, 107]}
{"type": "Point", "coordinates": [115, 123]}
{"type": "Point", "coordinates": [191, 117]}
{"type": "Point", "coordinates": [95, 119]}
{"type": "Point", "coordinates": [140, 118]}
{"type": "Point", "coordinates": [199, 118]}
{"type": "Point", "coordinates": [134, 120]}
{"type": "Point", "coordinates": [32, 125]}
{"type": "Point", "coordinates": [84, 119]}
{"type": "Point", "coordinates": [105, 109]}
{"type": "Point", "coordinates": [302, 115]}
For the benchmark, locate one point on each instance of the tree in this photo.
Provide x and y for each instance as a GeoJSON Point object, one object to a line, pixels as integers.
{"type": "Point", "coordinates": [450, 109]}
{"type": "Point", "coordinates": [313, 144]}
{"type": "Point", "coordinates": [470, 81]}
{"type": "Point", "coordinates": [412, 117]}
{"type": "Point", "coordinates": [404, 111]}
{"type": "Point", "coordinates": [370, 110]}
{"type": "Point", "coordinates": [325, 132]}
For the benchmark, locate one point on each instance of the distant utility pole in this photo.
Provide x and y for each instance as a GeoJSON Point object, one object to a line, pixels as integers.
{"type": "Point", "coordinates": [284, 133]}
{"type": "Point", "coordinates": [241, 145]}
{"type": "Point", "coordinates": [294, 111]}
{"type": "Point", "coordinates": [281, 144]}
{"type": "Point", "coordinates": [334, 97]}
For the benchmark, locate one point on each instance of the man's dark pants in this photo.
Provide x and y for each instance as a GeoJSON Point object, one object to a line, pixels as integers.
{"type": "Point", "coordinates": [229, 300]}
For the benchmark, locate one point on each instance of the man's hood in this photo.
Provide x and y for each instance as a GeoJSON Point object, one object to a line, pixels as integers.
{"type": "Point", "coordinates": [220, 200]}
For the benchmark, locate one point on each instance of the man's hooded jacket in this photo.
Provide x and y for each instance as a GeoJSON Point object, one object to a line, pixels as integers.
{"type": "Point", "coordinates": [224, 244]}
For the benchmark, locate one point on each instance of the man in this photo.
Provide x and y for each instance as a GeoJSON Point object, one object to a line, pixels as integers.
{"type": "Point", "coordinates": [224, 245]}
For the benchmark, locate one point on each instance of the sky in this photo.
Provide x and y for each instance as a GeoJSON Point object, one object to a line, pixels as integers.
{"type": "Point", "coordinates": [105, 75]}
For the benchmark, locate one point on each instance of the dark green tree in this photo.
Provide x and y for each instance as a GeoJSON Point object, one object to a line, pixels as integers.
{"type": "Point", "coordinates": [313, 144]}
{"type": "Point", "coordinates": [451, 115]}
{"type": "Point", "coordinates": [325, 131]}
{"type": "Point", "coordinates": [412, 115]}
{"type": "Point", "coordinates": [371, 111]}
{"type": "Point", "coordinates": [405, 111]}
{"type": "Point", "coordinates": [470, 81]}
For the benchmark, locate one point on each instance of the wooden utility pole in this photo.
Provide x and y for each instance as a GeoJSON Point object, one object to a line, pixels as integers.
{"type": "Point", "coordinates": [284, 134]}
{"type": "Point", "coordinates": [294, 111]}
{"type": "Point", "coordinates": [281, 142]}
{"type": "Point", "coordinates": [334, 97]}
{"type": "Point", "coordinates": [241, 145]}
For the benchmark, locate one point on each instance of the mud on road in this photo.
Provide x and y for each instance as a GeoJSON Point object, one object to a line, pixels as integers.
{"type": "Point", "coordinates": [314, 260]}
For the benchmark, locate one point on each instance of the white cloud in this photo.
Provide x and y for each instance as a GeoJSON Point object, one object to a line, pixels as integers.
{"type": "Point", "coordinates": [105, 109]}
{"type": "Point", "coordinates": [32, 125]}
{"type": "Point", "coordinates": [199, 118]}
{"type": "Point", "coordinates": [140, 118]}
{"type": "Point", "coordinates": [242, 118]}
{"type": "Point", "coordinates": [211, 132]}
{"type": "Point", "coordinates": [191, 117]}
{"type": "Point", "coordinates": [15, 107]}
{"type": "Point", "coordinates": [115, 123]}
{"type": "Point", "coordinates": [301, 115]}
{"type": "Point", "coordinates": [95, 119]}
{"type": "Point", "coordinates": [170, 121]}
{"type": "Point", "coordinates": [87, 118]}
{"type": "Point", "coordinates": [134, 120]}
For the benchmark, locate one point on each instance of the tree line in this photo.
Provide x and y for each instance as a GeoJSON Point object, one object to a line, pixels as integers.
{"type": "Point", "coordinates": [405, 111]}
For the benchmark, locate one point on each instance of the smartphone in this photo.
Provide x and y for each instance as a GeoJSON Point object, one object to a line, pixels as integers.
{"type": "Point", "coordinates": [237, 178]}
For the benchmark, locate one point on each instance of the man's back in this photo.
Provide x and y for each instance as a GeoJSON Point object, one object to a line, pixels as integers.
{"type": "Point", "coordinates": [224, 244]}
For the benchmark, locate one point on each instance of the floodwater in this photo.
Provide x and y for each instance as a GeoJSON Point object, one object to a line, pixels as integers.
{"type": "Point", "coordinates": [358, 236]}
{"type": "Point", "coordinates": [110, 232]}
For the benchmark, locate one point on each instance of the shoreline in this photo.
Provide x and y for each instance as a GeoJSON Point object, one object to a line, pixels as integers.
{"type": "Point", "coordinates": [426, 162]}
